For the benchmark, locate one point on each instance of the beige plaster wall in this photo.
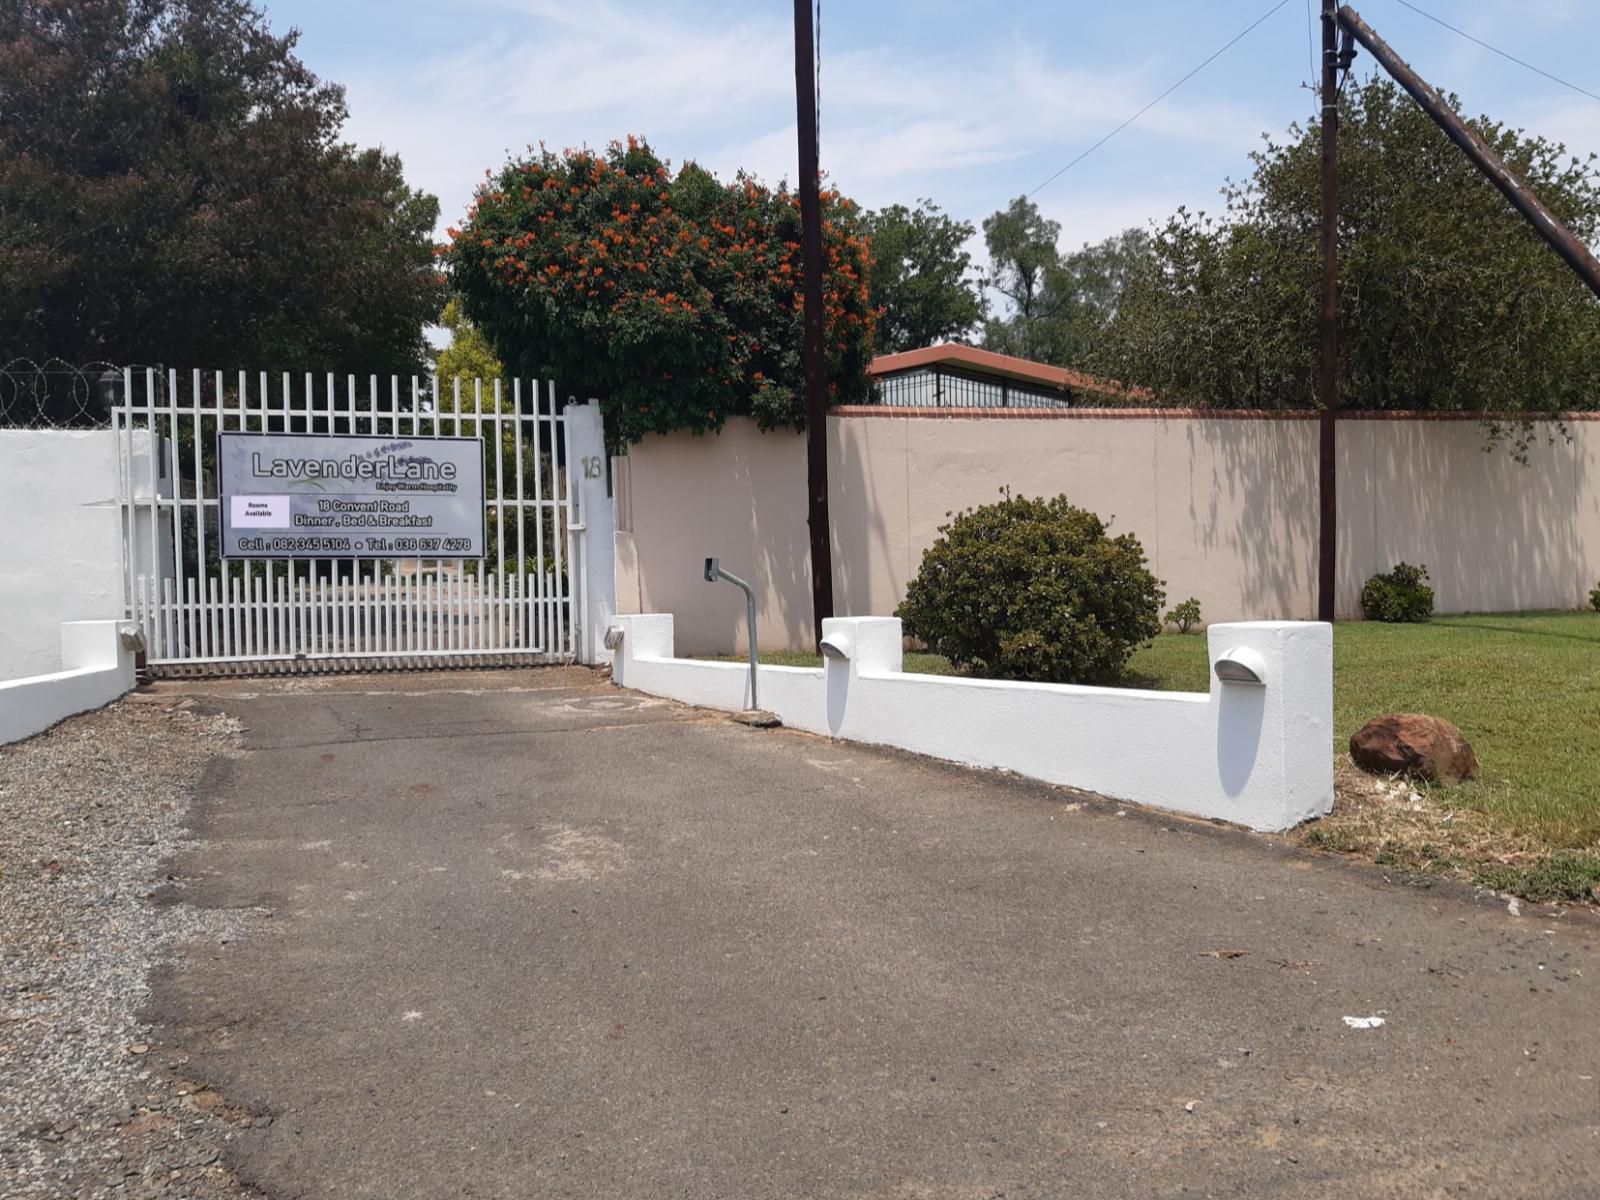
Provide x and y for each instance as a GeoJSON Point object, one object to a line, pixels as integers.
{"type": "Point", "coordinates": [1225, 507]}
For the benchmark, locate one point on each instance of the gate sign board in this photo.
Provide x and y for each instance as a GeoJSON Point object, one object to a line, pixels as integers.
{"type": "Point", "coordinates": [302, 495]}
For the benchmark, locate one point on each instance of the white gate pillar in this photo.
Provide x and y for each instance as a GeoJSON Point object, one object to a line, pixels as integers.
{"type": "Point", "coordinates": [597, 592]}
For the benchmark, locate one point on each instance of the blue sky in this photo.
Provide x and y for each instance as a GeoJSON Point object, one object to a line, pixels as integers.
{"type": "Point", "coordinates": [969, 103]}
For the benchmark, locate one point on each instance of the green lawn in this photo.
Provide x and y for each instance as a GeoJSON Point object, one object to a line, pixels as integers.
{"type": "Point", "coordinates": [1524, 688]}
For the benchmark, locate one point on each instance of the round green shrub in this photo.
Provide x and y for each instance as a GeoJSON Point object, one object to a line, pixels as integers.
{"type": "Point", "coordinates": [1034, 589]}
{"type": "Point", "coordinates": [1398, 596]}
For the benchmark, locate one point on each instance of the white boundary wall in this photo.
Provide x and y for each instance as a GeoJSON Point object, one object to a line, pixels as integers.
{"type": "Point", "coordinates": [61, 544]}
{"type": "Point", "coordinates": [98, 667]}
{"type": "Point", "coordinates": [1257, 755]}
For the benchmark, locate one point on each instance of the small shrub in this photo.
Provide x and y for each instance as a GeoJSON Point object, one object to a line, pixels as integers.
{"type": "Point", "coordinates": [1034, 589]}
{"type": "Point", "coordinates": [1594, 598]}
{"type": "Point", "coordinates": [1185, 616]}
{"type": "Point", "coordinates": [1399, 596]}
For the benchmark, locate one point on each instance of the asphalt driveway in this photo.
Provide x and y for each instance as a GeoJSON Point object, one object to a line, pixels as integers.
{"type": "Point", "coordinates": [533, 936]}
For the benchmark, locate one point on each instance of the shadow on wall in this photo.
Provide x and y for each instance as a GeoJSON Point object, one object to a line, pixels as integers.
{"type": "Point", "coordinates": [1495, 534]}
{"type": "Point", "coordinates": [1241, 716]}
{"type": "Point", "coordinates": [868, 489]}
{"type": "Point", "coordinates": [1240, 500]}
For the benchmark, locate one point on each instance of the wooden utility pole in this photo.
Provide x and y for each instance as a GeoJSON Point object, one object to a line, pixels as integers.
{"type": "Point", "coordinates": [1544, 222]}
{"type": "Point", "coordinates": [1328, 368]}
{"type": "Point", "coordinates": [805, 90]}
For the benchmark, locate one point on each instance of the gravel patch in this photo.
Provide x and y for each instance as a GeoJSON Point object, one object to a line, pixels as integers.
{"type": "Point", "coordinates": [89, 813]}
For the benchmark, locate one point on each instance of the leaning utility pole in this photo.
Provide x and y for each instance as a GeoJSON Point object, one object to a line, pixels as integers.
{"type": "Point", "coordinates": [1328, 368]}
{"type": "Point", "coordinates": [805, 88]}
{"type": "Point", "coordinates": [1544, 222]}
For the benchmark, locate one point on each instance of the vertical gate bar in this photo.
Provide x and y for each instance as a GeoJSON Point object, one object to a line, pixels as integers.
{"type": "Point", "coordinates": [195, 394]}
{"type": "Point", "coordinates": [214, 641]}
{"type": "Point", "coordinates": [474, 619]}
{"type": "Point", "coordinates": [376, 624]}
{"type": "Point", "coordinates": [395, 634]}
{"type": "Point", "coordinates": [442, 584]}
{"type": "Point", "coordinates": [519, 627]}
{"type": "Point", "coordinates": [452, 627]}
{"type": "Point", "coordinates": [258, 613]}
{"type": "Point", "coordinates": [355, 567]}
{"type": "Point", "coordinates": [558, 520]}
{"type": "Point", "coordinates": [122, 426]}
{"type": "Point", "coordinates": [577, 548]}
{"type": "Point", "coordinates": [499, 500]}
{"type": "Point", "coordinates": [536, 615]}
{"type": "Point", "coordinates": [157, 641]}
{"type": "Point", "coordinates": [572, 607]}
{"type": "Point", "coordinates": [173, 461]}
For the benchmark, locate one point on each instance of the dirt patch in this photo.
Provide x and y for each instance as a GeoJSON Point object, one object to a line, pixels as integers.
{"type": "Point", "coordinates": [1400, 825]}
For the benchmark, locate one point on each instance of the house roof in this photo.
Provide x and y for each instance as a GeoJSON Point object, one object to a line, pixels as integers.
{"type": "Point", "coordinates": [1006, 366]}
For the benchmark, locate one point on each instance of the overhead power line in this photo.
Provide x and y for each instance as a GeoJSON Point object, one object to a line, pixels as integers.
{"type": "Point", "coordinates": [1496, 50]}
{"type": "Point", "coordinates": [1238, 37]}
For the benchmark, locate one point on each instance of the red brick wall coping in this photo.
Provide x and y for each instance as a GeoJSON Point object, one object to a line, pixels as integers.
{"type": "Point", "coordinates": [1184, 414]}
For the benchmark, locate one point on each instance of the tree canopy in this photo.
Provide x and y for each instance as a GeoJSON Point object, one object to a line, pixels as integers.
{"type": "Point", "coordinates": [920, 283]}
{"type": "Point", "coordinates": [677, 300]}
{"type": "Point", "coordinates": [1061, 304]}
{"type": "Point", "coordinates": [1448, 301]}
{"type": "Point", "coordinates": [173, 190]}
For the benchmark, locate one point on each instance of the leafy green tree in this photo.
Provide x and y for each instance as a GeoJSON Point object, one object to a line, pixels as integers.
{"type": "Point", "coordinates": [469, 355]}
{"type": "Point", "coordinates": [1022, 255]}
{"type": "Point", "coordinates": [1077, 297]}
{"type": "Point", "coordinates": [676, 300]}
{"type": "Point", "coordinates": [1449, 301]}
{"type": "Point", "coordinates": [173, 189]}
{"type": "Point", "coordinates": [919, 282]}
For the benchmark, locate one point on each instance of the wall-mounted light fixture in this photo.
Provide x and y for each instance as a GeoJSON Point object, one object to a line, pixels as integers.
{"type": "Point", "coordinates": [1243, 665]}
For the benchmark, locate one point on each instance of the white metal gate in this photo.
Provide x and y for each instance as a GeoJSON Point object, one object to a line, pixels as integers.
{"type": "Point", "coordinates": [203, 614]}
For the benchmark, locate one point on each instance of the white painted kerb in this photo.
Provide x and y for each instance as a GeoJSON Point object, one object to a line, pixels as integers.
{"type": "Point", "coordinates": [99, 668]}
{"type": "Point", "coordinates": [1258, 755]}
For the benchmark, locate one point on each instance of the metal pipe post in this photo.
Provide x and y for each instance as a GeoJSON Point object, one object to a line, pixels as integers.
{"type": "Point", "coordinates": [715, 572]}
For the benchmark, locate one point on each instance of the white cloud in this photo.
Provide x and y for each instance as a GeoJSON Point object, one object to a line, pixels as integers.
{"type": "Point", "coordinates": [894, 125]}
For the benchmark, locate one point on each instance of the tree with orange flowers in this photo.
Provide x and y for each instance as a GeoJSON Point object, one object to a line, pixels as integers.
{"type": "Point", "coordinates": [676, 299]}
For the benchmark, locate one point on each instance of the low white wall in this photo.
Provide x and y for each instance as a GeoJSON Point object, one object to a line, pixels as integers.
{"type": "Point", "coordinates": [1256, 755]}
{"type": "Point", "coordinates": [97, 669]}
{"type": "Point", "coordinates": [61, 544]}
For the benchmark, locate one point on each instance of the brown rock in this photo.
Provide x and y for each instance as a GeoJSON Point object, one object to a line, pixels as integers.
{"type": "Point", "coordinates": [1414, 745]}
